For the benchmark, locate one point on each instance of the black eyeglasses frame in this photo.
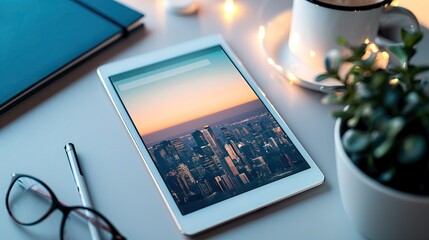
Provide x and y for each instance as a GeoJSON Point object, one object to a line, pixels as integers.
{"type": "Point", "coordinates": [56, 204]}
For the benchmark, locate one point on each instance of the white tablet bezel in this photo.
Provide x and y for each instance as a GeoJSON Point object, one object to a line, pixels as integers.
{"type": "Point", "coordinates": [210, 216]}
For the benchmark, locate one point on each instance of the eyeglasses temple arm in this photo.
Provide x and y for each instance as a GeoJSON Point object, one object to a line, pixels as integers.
{"type": "Point", "coordinates": [44, 194]}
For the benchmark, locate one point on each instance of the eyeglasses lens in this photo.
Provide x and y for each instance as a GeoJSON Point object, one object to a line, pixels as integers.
{"type": "Point", "coordinates": [85, 224]}
{"type": "Point", "coordinates": [28, 201]}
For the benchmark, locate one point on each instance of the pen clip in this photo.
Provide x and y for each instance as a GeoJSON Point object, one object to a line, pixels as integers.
{"type": "Point", "coordinates": [69, 147]}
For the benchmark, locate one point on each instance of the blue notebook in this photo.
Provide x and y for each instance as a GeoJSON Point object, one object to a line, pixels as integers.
{"type": "Point", "coordinates": [42, 38]}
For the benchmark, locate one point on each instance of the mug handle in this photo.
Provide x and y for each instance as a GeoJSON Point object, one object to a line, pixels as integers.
{"type": "Point", "coordinates": [396, 10]}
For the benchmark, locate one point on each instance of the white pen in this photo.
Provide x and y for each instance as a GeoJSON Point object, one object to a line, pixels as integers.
{"type": "Point", "coordinates": [80, 183]}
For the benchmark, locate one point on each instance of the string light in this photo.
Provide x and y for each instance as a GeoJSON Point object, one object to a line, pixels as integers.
{"type": "Point", "coordinates": [394, 81]}
{"type": "Point", "coordinates": [292, 78]}
{"type": "Point", "coordinates": [229, 7]}
{"type": "Point", "coordinates": [394, 3]}
{"type": "Point", "coordinates": [373, 47]}
{"type": "Point", "coordinates": [370, 49]}
{"type": "Point", "coordinates": [261, 33]}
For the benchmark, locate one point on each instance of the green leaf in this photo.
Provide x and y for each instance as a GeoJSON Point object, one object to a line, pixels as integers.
{"type": "Point", "coordinates": [416, 70]}
{"type": "Point", "coordinates": [411, 38]}
{"type": "Point", "coordinates": [378, 79]}
{"type": "Point", "coordinates": [367, 110]}
{"type": "Point", "coordinates": [424, 84]}
{"type": "Point", "coordinates": [332, 98]}
{"type": "Point", "coordinates": [363, 91]}
{"type": "Point", "coordinates": [358, 52]}
{"type": "Point", "coordinates": [410, 53]}
{"type": "Point", "coordinates": [352, 122]}
{"type": "Point", "coordinates": [336, 89]}
{"type": "Point", "coordinates": [400, 52]}
{"type": "Point", "coordinates": [394, 126]}
{"type": "Point", "coordinates": [383, 148]}
{"type": "Point", "coordinates": [333, 59]}
{"type": "Point", "coordinates": [341, 114]}
{"type": "Point", "coordinates": [355, 140]}
{"type": "Point", "coordinates": [412, 101]}
{"type": "Point", "coordinates": [387, 175]}
{"type": "Point", "coordinates": [412, 149]}
{"type": "Point", "coordinates": [324, 76]}
{"type": "Point", "coordinates": [391, 99]}
{"type": "Point", "coordinates": [342, 41]}
{"type": "Point", "coordinates": [376, 136]}
{"type": "Point", "coordinates": [389, 128]}
{"type": "Point", "coordinates": [379, 118]}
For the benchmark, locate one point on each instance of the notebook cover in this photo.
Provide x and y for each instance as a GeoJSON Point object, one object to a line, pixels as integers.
{"type": "Point", "coordinates": [111, 9]}
{"type": "Point", "coordinates": [40, 38]}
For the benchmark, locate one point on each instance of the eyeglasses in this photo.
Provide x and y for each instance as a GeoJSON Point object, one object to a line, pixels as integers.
{"type": "Point", "coordinates": [30, 201]}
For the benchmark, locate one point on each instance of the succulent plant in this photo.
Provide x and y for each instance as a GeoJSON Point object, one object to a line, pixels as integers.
{"type": "Point", "coordinates": [385, 121]}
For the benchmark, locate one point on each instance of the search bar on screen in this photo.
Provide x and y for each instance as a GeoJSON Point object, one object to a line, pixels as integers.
{"type": "Point", "coordinates": [162, 75]}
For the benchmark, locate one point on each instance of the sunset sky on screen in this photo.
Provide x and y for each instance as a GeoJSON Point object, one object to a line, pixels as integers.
{"type": "Point", "coordinates": [187, 96]}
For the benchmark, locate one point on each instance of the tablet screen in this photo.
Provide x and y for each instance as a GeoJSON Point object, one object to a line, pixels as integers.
{"type": "Point", "coordinates": [208, 133]}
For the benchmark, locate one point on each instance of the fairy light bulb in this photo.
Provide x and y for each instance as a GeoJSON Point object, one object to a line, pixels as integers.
{"type": "Point", "coordinates": [229, 7]}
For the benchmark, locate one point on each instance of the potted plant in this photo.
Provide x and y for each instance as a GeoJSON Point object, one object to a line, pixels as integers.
{"type": "Point", "coordinates": [382, 137]}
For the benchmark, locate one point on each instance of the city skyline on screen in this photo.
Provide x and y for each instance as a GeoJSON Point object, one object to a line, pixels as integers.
{"type": "Point", "coordinates": [209, 135]}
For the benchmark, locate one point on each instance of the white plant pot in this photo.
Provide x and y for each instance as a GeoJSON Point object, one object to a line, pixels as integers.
{"type": "Point", "coordinates": [379, 212]}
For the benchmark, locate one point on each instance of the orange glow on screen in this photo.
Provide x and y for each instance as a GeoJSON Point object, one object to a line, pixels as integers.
{"type": "Point", "coordinates": [188, 96]}
{"type": "Point", "coordinates": [181, 107]}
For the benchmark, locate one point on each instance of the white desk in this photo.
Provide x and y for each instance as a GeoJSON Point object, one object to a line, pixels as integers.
{"type": "Point", "coordinates": [76, 109]}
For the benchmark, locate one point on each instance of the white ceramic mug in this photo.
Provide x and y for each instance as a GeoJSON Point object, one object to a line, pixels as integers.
{"type": "Point", "coordinates": [317, 24]}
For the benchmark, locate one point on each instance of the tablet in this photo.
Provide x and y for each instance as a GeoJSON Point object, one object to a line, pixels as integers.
{"type": "Point", "coordinates": [214, 145]}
